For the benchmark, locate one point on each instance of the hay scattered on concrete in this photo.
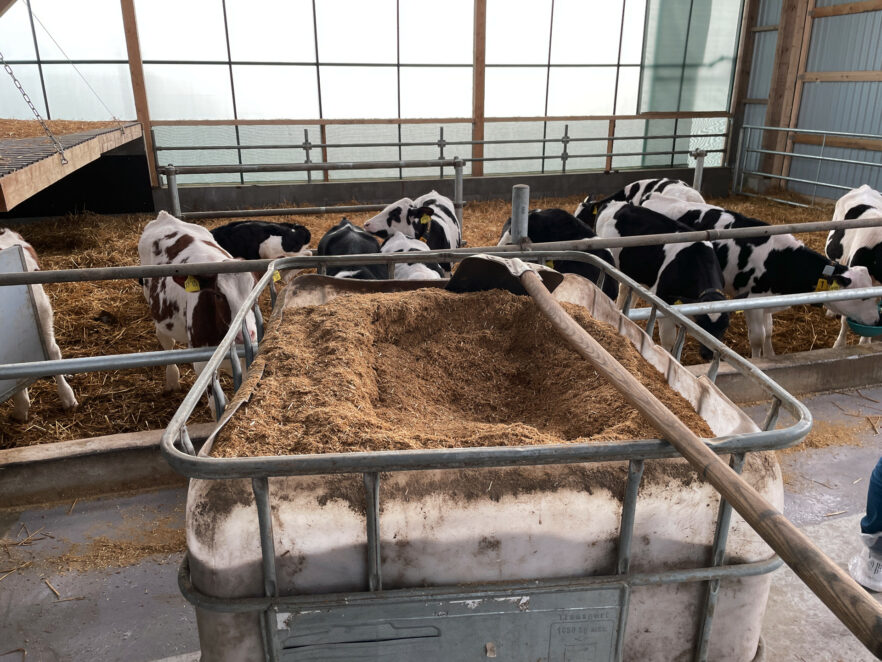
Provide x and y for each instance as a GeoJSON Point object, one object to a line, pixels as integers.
{"type": "Point", "coordinates": [825, 434]}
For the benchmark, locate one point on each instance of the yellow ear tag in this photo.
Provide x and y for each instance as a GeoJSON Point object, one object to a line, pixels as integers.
{"type": "Point", "coordinates": [191, 284]}
{"type": "Point", "coordinates": [822, 285]}
{"type": "Point", "coordinates": [834, 285]}
{"type": "Point", "coordinates": [425, 219]}
{"type": "Point", "coordinates": [423, 239]}
{"type": "Point", "coordinates": [277, 276]}
{"type": "Point", "coordinates": [678, 302]}
{"type": "Point", "coordinates": [550, 263]}
{"type": "Point", "coordinates": [593, 210]}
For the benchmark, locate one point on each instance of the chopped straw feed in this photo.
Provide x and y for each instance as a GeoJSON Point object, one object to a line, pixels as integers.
{"type": "Point", "coordinates": [432, 369]}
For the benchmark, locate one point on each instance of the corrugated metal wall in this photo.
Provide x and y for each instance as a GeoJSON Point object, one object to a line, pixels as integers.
{"type": "Point", "coordinates": [838, 43]}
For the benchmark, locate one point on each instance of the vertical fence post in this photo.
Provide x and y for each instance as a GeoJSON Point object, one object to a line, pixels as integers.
{"type": "Point", "coordinates": [441, 144]}
{"type": "Point", "coordinates": [458, 202]}
{"type": "Point", "coordinates": [818, 171]}
{"type": "Point", "coordinates": [610, 134]}
{"type": "Point", "coordinates": [736, 185]}
{"type": "Point", "coordinates": [520, 202]}
{"type": "Point", "coordinates": [173, 190]}
{"type": "Point", "coordinates": [565, 140]}
{"type": "Point", "coordinates": [698, 155]}
{"type": "Point", "coordinates": [306, 147]}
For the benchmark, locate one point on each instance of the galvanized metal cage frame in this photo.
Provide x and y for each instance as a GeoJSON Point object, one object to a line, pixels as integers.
{"type": "Point", "coordinates": [179, 452]}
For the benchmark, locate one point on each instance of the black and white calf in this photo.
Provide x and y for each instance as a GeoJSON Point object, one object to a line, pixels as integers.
{"type": "Point", "coordinates": [20, 401]}
{"type": "Point", "coordinates": [765, 266]}
{"type": "Point", "coordinates": [544, 225]}
{"type": "Point", "coordinates": [857, 246]}
{"type": "Point", "coordinates": [195, 311]}
{"type": "Point", "coordinates": [346, 239]}
{"type": "Point", "coordinates": [684, 273]}
{"type": "Point", "coordinates": [255, 240]}
{"type": "Point", "coordinates": [430, 218]}
{"type": "Point", "coordinates": [636, 193]}
{"type": "Point", "coordinates": [398, 243]}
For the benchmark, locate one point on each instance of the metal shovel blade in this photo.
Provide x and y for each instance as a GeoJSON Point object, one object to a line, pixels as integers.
{"type": "Point", "coordinates": [477, 273]}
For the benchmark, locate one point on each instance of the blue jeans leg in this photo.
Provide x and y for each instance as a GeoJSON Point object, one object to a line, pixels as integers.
{"type": "Point", "coordinates": [872, 522]}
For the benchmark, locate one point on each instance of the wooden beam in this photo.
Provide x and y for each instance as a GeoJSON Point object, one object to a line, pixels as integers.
{"type": "Point", "coordinates": [479, 62]}
{"type": "Point", "coordinates": [764, 28]}
{"type": "Point", "coordinates": [841, 76]}
{"type": "Point", "coordinates": [783, 86]}
{"type": "Point", "coordinates": [751, 100]}
{"type": "Point", "coordinates": [4, 5]}
{"type": "Point", "coordinates": [21, 184]}
{"type": "Point", "coordinates": [800, 84]}
{"type": "Point", "coordinates": [139, 89]}
{"type": "Point", "coordinates": [869, 144]}
{"type": "Point", "coordinates": [847, 8]}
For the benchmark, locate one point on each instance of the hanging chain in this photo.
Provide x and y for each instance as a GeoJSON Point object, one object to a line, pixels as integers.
{"type": "Point", "coordinates": [30, 103]}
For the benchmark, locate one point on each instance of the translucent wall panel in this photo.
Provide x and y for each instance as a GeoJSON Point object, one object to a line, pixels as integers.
{"type": "Point", "coordinates": [513, 131]}
{"type": "Point", "coordinates": [431, 133]}
{"type": "Point", "coordinates": [175, 30]}
{"type": "Point", "coordinates": [658, 149]}
{"type": "Point", "coordinates": [578, 149]}
{"type": "Point", "coordinates": [86, 31]}
{"type": "Point", "coordinates": [12, 104]}
{"type": "Point", "coordinates": [581, 90]}
{"type": "Point", "coordinates": [629, 90]}
{"type": "Point", "coordinates": [362, 133]}
{"type": "Point", "coordinates": [514, 91]}
{"type": "Point", "coordinates": [700, 133]}
{"type": "Point", "coordinates": [188, 91]}
{"type": "Point", "coordinates": [16, 40]}
{"type": "Point", "coordinates": [517, 33]}
{"type": "Point", "coordinates": [436, 92]}
{"type": "Point", "coordinates": [754, 115]}
{"type": "Point", "coordinates": [421, 31]}
{"type": "Point", "coordinates": [357, 31]}
{"type": "Point", "coordinates": [359, 92]}
{"type": "Point", "coordinates": [632, 38]}
{"type": "Point", "coordinates": [271, 30]}
{"type": "Point", "coordinates": [274, 92]}
{"type": "Point", "coordinates": [690, 54]}
{"type": "Point", "coordinates": [288, 134]}
{"type": "Point", "coordinates": [629, 144]}
{"type": "Point", "coordinates": [71, 99]}
{"type": "Point", "coordinates": [586, 32]}
{"type": "Point", "coordinates": [174, 136]}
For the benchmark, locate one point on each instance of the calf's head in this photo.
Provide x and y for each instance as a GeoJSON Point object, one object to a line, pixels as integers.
{"type": "Point", "coordinates": [714, 323]}
{"type": "Point", "coordinates": [865, 311]}
{"type": "Point", "coordinates": [394, 218]}
{"type": "Point", "coordinates": [218, 299]}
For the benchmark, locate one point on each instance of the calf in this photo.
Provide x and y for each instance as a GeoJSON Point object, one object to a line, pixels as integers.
{"type": "Point", "coordinates": [398, 243]}
{"type": "Point", "coordinates": [544, 225]}
{"type": "Point", "coordinates": [636, 193]}
{"type": "Point", "coordinates": [191, 310]}
{"type": "Point", "coordinates": [255, 240]}
{"type": "Point", "coordinates": [20, 400]}
{"type": "Point", "coordinates": [764, 266]}
{"type": "Point", "coordinates": [677, 273]}
{"type": "Point", "coordinates": [429, 218]}
{"type": "Point", "coordinates": [858, 246]}
{"type": "Point", "coordinates": [346, 239]}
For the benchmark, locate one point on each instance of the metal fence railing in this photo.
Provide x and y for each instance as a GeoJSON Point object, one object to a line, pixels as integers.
{"type": "Point", "coordinates": [811, 160]}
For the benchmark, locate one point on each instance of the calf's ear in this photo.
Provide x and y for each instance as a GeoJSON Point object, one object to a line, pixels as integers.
{"type": "Point", "coordinates": [196, 283]}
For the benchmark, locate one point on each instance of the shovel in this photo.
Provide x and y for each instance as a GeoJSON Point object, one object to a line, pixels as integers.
{"type": "Point", "coordinates": [843, 596]}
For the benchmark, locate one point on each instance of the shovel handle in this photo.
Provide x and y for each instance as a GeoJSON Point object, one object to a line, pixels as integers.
{"type": "Point", "coordinates": [845, 597]}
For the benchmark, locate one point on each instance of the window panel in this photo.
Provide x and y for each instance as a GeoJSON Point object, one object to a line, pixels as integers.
{"type": "Point", "coordinates": [626, 129]}
{"type": "Point", "coordinates": [513, 131]}
{"type": "Point", "coordinates": [581, 91]}
{"type": "Point", "coordinates": [78, 30]}
{"type": "Point", "coordinates": [586, 32]}
{"type": "Point", "coordinates": [436, 92]}
{"type": "Point", "coordinates": [188, 91]}
{"type": "Point", "coordinates": [629, 88]}
{"type": "Point", "coordinates": [16, 40]}
{"type": "Point", "coordinates": [71, 99]}
{"type": "Point", "coordinates": [431, 133]}
{"type": "Point", "coordinates": [359, 92]}
{"type": "Point", "coordinates": [632, 37]}
{"type": "Point", "coordinates": [180, 136]}
{"type": "Point", "coordinates": [364, 133]}
{"type": "Point", "coordinates": [174, 30]}
{"type": "Point", "coordinates": [420, 30]}
{"type": "Point", "coordinates": [286, 134]}
{"type": "Point", "coordinates": [271, 30]}
{"type": "Point", "coordinates": [577, 150]}
{"type": "Point", "coordinates": [272, 92]}
{"type": "Point", "coordinates": [356, 31]}
{"type": "Point", "coordinates": [12, 104]}
{"type": "Point", "coordinates": [518, 34]}
{"type": "Point", "coordinates": [515, 92]}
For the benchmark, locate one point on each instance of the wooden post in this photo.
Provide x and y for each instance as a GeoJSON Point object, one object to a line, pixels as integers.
{"type": "Point", "coordinates": [479, 67]}
{"type": "Point", "coordinates": [783, 87]}
{"type": "Point", "coordinates": [139, 90]}
{"type": "Point", "coordinates": [742, 72]}
{"type": "Point", "coordinates": [800, 83]}
{"type": "Point", "coordinates": [611, 132]}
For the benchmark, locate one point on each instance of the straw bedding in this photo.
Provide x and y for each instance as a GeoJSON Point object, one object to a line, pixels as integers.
{"type": "Point", "coordinates": [431, 369]}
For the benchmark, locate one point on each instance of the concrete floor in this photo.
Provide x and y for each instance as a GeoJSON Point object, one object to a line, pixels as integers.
{"type": "Point", "coordinates": [137, 614]}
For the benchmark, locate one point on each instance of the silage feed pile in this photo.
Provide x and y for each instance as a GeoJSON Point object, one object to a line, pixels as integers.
{"type": "Point", "coordinates": [432, 369]}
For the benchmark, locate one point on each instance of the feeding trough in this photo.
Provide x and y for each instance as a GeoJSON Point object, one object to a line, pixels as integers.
{"type": "Point", "coordinates": [510, 538]}
{"type": "Point", "coordinates": [866, 330]}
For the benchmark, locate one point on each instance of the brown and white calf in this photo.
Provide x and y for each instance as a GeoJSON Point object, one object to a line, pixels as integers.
{"type": "Point", "coordinates": [197, 315]}
{"type": "Point", "coordinates": [20, 401]}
